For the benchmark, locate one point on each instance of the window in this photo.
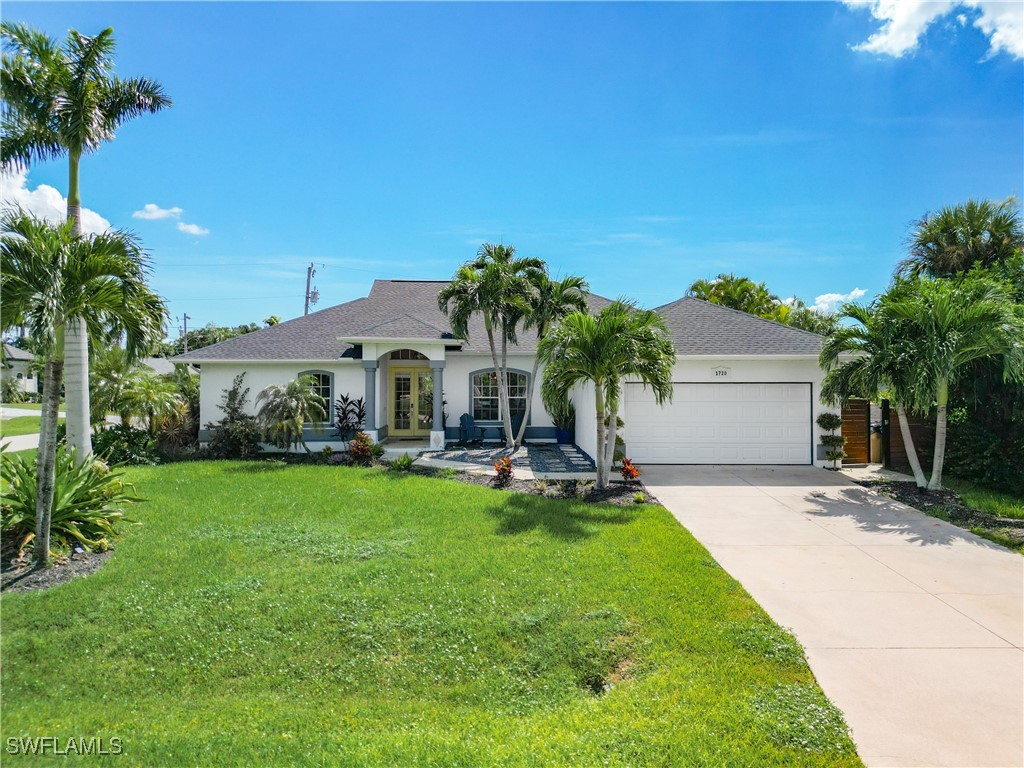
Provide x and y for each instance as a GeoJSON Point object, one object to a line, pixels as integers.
{"type": "Point", "coordinates": [485, 395]}
{"type": "Point", "coordinates": [21, 376]}
{"type": "Point", "coordinates": [407, 354]}
{"type": "Point", "coordinates": [322, 386]}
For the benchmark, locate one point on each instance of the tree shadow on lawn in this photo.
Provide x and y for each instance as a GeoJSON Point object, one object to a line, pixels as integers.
{"type": "Point", "coordinates": [564, 519]}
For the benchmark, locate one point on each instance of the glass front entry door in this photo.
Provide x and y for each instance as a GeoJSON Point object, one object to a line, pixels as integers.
{"type": "Point", "coordinates": [412, 402]}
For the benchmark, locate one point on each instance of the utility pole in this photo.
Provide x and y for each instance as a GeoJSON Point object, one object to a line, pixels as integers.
{"type": "Point", "coordinates": [312, 296]}
{"type": "Point", "coordinates": [185, 319]}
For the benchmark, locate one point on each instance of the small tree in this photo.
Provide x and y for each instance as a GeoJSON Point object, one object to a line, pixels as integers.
{"type": "Point", "coordinates": [833, 443]}
{"type": "Point", "coordinates": [236, 436]}
{"type": "Point", "coordinates": [284, 411]}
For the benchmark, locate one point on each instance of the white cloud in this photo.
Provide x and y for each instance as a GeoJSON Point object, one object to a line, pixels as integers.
{"type": "Point", "coordinates": [192, 229]}
{"type": "Point", "coordinates": [45, 201]}
{"type": "Point", "coordinates": [829, 302]}
{"type": "Point", "coordinates": [154, 211]}
{"type": "Point", "coordinates": [905, 21]}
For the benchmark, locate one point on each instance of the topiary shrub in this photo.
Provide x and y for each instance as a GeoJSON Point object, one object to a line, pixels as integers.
{"type": "Point", "coordinates": [830, 422]}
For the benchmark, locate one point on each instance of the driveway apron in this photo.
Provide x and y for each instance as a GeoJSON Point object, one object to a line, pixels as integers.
{"type": "Point", "coordinates": [913, 627]}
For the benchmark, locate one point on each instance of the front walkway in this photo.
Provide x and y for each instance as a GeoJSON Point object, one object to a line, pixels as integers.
{"type": "Point", "coordinates": [912, 626]}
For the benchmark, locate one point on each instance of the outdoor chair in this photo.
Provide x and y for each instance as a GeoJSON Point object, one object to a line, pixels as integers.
{"type": "Point", "coordinates": [468, 430]}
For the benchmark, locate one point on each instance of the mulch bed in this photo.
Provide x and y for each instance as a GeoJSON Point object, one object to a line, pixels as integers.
{"type": "Point", "coordinates": [948, 505]}
{"type": "Point", "coordinates": [17, 575]}
{"type": "Point", "coordinates": [618, 492]}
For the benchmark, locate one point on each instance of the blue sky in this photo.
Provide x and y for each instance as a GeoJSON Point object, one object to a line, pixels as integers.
{"type": "Point", "coordinates": [640, 145]}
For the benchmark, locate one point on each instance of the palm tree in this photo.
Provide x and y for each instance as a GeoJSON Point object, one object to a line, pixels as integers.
{"type": "Point", "coordinates": [65, 100]}
{"type": "Point", "coordinates": [49, 278]}
{"type": "Point", "coordinates": [284, 410]}
{"type": "Point", "coordinates": [550, 301]}
{"type": "Point", "coordinates": [738, 292]}
{"type": "Point", "coordinates": [950, 242]}
{"type": "Point", "coordinates": [122, 385]}
{"type": "Point", "coordinates": [620, 341]}
{"type": "Point", "coordinates": [949, 325]}
{"type": "Point", "coordinates": [866, 358]}
{"type": "Point", "coordinates": [151, 398]}
{"type": "Point", "coordinates": [496, 284]}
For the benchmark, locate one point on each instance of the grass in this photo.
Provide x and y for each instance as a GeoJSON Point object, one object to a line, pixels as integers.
{"type": "Point", "coordinates": [981, 498]}
{"type": "Point", "coordinates": [295, 615]}
{"type": "Point", "coordinates": [29, 406]}
{"type": "Point", "coordinates": [21, 425]}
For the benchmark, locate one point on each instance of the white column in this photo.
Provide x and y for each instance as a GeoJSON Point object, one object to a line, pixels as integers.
{"type": "Point", "coordinates": [370, 399]}
{"type": "Point", "coordinates": [437, 431]}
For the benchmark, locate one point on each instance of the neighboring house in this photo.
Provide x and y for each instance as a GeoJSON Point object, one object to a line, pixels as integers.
{"type": "Point", "coordinates": [747, 389]}
{"type": "Point", "coordinates": [17, 364]}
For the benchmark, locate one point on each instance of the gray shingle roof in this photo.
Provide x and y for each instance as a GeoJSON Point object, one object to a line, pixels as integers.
{"type": "Point", "coordinates": [401, 309]}
{"type": "Point", "coordinates": [14, 353]}
{"type": "Point", "coordinates": [396, 309]}
{"type": "Point", "coordinates": [698, 327]}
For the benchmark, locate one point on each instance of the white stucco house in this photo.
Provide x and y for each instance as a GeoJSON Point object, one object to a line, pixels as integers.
{"type": "Point", "coordinates": [17, 365]}
{"type": "Point", "coordinates": [746, 390]}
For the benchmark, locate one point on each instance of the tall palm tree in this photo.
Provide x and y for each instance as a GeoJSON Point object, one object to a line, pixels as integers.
{"type": "Point", "coordinates": [151, 398]}
{"type": "Point", "coordinates": [949, 325]}
{"type": "Point", "coordinates": [496, 284]}
{"type": "Point", "coordinates": [50, 278]}
{"type": "Point", "coordinates": [951, 241]}
{"type": "Point", "coordinates": [65, 100]}
{"type": "Point", "coordinates": [550, 301]}
{"type": "Point", "coordinates": [620, 341]}
{"type": "Point", "coordinates": [863, 359]}
{"type": "Point", "coordinates": [284, 410]}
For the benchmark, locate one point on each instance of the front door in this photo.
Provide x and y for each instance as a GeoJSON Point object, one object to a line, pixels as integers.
{"type": "Point", "coordinates": [412, 402]}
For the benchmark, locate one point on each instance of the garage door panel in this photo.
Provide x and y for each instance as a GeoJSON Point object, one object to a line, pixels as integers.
{"type": "Point", "coordinates": [748, 423]}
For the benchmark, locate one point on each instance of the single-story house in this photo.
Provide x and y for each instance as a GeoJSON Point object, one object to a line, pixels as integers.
{"type": "Point", "coordinates": [17, 364]}
{"type": "Point", "coordinates": [746, 390]}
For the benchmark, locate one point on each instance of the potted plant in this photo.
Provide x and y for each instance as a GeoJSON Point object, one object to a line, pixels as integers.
{"type": "Point", "coordinates": [563, 414]}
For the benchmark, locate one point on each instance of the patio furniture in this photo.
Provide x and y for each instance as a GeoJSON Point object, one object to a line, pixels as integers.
{"type": "Point", "coordinates": [468, 430]}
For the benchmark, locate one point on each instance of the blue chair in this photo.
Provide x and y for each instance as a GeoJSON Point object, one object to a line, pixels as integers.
{"type": "Point", "coordinates": [468, 430]}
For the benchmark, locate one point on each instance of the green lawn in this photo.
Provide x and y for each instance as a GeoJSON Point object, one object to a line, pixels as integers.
{"type": "Point", "coordinates": [30, 406]}
{"type": "Point", "coordinates": [264, 614]}
{"type": "Point", "coordinates": [993, 502]}
{"type": "Point", "coordinates": [21, 425]}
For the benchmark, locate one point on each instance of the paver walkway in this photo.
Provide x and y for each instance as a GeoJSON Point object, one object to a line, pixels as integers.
{"type": "Point", "coordinates": [539, 457]}
{"type": "Point", "coordinates": [912, 626]}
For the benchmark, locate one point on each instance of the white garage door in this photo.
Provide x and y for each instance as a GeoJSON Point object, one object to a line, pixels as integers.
{"type": "Point", "coordinates": [720, 424]}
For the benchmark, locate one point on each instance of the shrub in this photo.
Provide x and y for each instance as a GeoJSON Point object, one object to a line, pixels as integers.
{"type": "Point", "coordinates": [88, 502]}
{"type": "Point", "coordinates": [504, 472]}
{"type": "Point", "coordinates": [11, 391]}
{"type": "Point", "coordinates": [124, 444]}
{"type": "Point", "coordinates": [833, 443]}
{"type": "Point", "coordinates": [628, 470]}
{"type": "Point", "coordinates": [403, 463]}
{"type": "Point", "coordinates": [363, 451]}
{"type": "Point", "coordinates": [639, 498]}
{"type": "Point", "coordinates": [237, 435]}
{"type": "Point", "coordinates": [349, 415]}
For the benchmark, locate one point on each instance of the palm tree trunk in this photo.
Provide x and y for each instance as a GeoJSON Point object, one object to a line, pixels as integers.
{"type": "Point", "coordinates": [46, 460]}
{"type": "Point", "coordinates": [601, 457]}
{"type": "Point", "coordinates": [942, 400]}
{"type": "Point", "coordinates": [908, 444]}
{"type": "Point", "coordinates": [529, 401]}
{"type": "Point", "coordinates": [506, 407]}
{"type": "Point", "coordinates": [502, 392]}
{"type": "Point", "coordinates": [609, 449]}
{"type": "Point", "coordinates": [76, 343]}
{"type": "Point", "coordinates": [76, 389]}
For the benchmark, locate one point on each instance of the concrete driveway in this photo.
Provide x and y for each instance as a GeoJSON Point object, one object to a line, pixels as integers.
{"type": "Point", "coordinates": [913, 627]}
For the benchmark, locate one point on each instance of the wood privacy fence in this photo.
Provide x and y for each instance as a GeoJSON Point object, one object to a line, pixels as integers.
{"type": "Point", "coordinates": [857, 418]}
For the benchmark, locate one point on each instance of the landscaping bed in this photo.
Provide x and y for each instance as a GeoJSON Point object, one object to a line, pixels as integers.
{"type": "Point", "coordinates": [17, 574]}
{"type": "Point", "coordinates": [949, 505]}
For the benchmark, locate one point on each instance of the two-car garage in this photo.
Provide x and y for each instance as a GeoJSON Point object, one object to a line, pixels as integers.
{"type": "Point", "coordinates": [720, 423]}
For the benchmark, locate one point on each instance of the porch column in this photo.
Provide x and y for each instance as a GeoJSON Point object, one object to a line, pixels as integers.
{"type": "Point", "coordinates": [370, 399]}
{"type": "Point", "coordinates": [437, 432]}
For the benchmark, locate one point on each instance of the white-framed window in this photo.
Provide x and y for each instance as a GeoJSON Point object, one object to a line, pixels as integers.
{"type": "Point", "coordinates": [323, 384]}
{"type": "Point", "coordinates": [485, 401]}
